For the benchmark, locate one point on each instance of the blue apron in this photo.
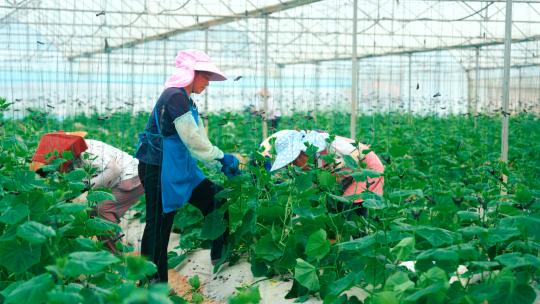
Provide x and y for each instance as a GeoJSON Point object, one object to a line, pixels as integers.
{"type": "Point", "coordinates": [179, 171]}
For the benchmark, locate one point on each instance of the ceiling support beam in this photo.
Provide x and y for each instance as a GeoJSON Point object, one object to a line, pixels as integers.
{"type": "Point", "coordinates": [260, 12]}
{"type": "Point", "coordinates": [416, 51]}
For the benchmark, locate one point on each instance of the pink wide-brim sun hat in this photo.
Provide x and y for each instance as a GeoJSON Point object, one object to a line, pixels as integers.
{"type": "Point", "coordinates": [189, 61]}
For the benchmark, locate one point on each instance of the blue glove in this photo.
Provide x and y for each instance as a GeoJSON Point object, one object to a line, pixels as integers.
{"type": "Point", "coordinates": [229, 165]}
{"type": "Point", "coordinates": [267, 163]}
{"type": "Point", "coordinates": [229, 160]}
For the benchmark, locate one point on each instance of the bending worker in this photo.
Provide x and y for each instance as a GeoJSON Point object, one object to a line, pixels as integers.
{"type": "Point", "coordinates": [173, 141]}
{"type": "Point", "coordinates": [114, 169]}
{"type": "Point", "coordinates": [290, 148]}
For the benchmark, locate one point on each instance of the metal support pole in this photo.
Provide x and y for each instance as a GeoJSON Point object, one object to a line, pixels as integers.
{"type": "Point", "coordinates": [317, 89]}
{"type": "Point", "coordinates": [470, 91]}
{"type": "Point", "coordinates": [71, 82]}
{"type": "Point", "coordinates": [206, 112]}
{"type": "Point", "coordinates": [109, 101]}
{"type": "Point", "coordinates": [519, 89]}
{"type": "Point", "coordinates": [165, 59]}
{"type": "Point", "coordinates": [354, 87]}
{"type": "Point", "coordinates": [410, 84]}
{"type": "Point", "coordinates": [476, 87]}
{"type": "Point", "coordinates": [536, 109]}
{"type": "Point", "coordinates": [265, 97]}
{"type": "Point", "coordinates": [506, 84]}
{"type": "Point", "coordinates": [132, 80]}
{"type": "Point", "coordinates": [280, 83]}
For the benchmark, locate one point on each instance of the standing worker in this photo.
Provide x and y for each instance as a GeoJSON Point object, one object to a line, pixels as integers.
{"type": "Point", "coordinates": [173, 140]}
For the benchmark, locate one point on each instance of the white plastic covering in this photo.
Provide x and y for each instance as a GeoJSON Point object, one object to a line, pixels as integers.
{"type": "Point", "coordinates": [122, 50]}
{"type": "Point", "coordinates": [320, 30]}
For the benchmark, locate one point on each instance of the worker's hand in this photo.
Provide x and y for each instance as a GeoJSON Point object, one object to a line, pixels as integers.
{"type": "Point", "coordinates": [267, 163]}
{"type": "Point", "coordinates": [229, 165]}
{"type": "Point", "coordinates": [229, 160]}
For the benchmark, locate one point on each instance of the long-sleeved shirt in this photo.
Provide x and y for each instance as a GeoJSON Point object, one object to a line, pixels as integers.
{"type": "Point", "coordinates": [112, 164]}
{"type": "Point", "coordinates": [174, 114]}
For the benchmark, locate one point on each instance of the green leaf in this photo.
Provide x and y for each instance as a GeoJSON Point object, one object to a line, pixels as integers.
{"type": "Point", "coordinates": [384, 297]}
{"type": "Point", "coordinates": [84, 244]}
{"type": "Point", "coordinates": [15, 214]}
{"type": "Point", "coordinates": [443, 258]}
{"type": "Point", "coordinates": [11, 287]}
{"type": "Point", "coordinates": [435, 291]}
{"type": "Point", "coordinates": [138, 267]}
{"type": "Point", "coordinates": [406, 193]}
{"type": "Point", "coordinates": [343, 284]}
{"type": "Point", "coordinates": [403, 249]}
{"type": "Point", "coordinates": [306, 275]}
{"type": "Point", "coordinates": [345, 200]}
{"type": "Point", "coordinates": [511, 290]}
{"type": "Point", "coordinates": [326, 179]}
{"type": "Point", "coordinates": [436, 236]}
{"type": "Point", "coordinates": [76, 175]}
{"type": "Point", "coordinates": [71, 208]}
{"type": "Point", "coordinates": [362, 175]}
{"type": "Point", "coordinates": [517, 259]}
{"type": "Point", "coordinates": [433, 275]}
{"type": "Point", "coordinates": [100, 226]}
{"type": "Point", "coordinates": [398, 282]}
{"type": "Point", "coordinates": [68, 155]}
{"type": "Point", "coordinates": [523, 195]}
{"type": "Point", "coordinates": [34, 232]}
{"type": "Point", "coordinates": [317, 246]}
{"type": "Point", "coordinates": [350, 162]}
{"type": "Point", "coordinates": [7, 201]}
{"type": "Point", "coordinates": [266, 249]}
{"type": "Point", "coordinates": [303, 182]}
{"type": "Point", "coordinates": [17, 256]}
{"type": "Point", "coordinates": [501, 234]}
{"type": "Point", "coordinates": [246, 295]}
{"type": "Point", "coordinates": [196, 298]}
{"type": "Point", "coordinates": [23, 181]}
{"type": "Point", "coordinates": [214, 225]}
{"type": "Point", "coordinates": [194, 282]}
{"type": "Point", "coordinates": [514, 294]}
{"type": "Point", "coordinates": [175, 260]}
{"type": "Point", "coordinates": [67, 297]}
{"type": "Point", "coordinates": [189, 216]}
{"type": "Point", "coordinates": [155, 294]}
{"type": "Point", "coordinates": [468, 216]}
{"type": "Point", "coordinates": [31, 291]}
{"type": "Point", "coordinates": [373, 201]}
{"type": "Point", "coordinates": [86, 262]}
{"type": "Point", "coordinates": [527, 225]}
{"type": "Point", "coordinates": [358, 244]}
{"type": "Point", "coordinates": [99, 196]}
{"type": "Point", "coordinates": [76, 187]}
{"type": "Point", "coordinates": [473, 231]}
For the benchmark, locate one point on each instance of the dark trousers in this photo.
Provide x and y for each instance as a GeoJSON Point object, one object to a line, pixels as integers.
{"type": "Point", "coordinates": [158, 227]}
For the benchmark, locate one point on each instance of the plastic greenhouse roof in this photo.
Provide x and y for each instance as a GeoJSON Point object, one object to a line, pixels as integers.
{"type": "Point", "coordinates": [298, 31]}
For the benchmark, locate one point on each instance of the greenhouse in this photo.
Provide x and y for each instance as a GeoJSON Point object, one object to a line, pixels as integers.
{"type": "Point", "coordinates": [270, 151]}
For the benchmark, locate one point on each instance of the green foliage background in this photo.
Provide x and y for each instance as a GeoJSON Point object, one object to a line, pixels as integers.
{"type": "Point", "coordinates": [445, 205]}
